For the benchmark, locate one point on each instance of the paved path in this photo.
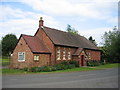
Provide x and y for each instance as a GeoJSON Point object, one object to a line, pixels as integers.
{"type": "Point", "coordinates": [107, 78]}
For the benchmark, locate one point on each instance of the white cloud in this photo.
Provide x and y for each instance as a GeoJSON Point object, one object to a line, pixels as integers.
{"type": "Point", "coordinates": [96, 33]}
{"type": "Point", "coordinates": [98, 9]}
{"type": "Point", "coordinates": [19, 22]}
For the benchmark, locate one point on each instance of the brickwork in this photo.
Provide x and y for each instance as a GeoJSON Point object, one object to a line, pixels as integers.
{"type": "Point", "coordinates": [42, 35]}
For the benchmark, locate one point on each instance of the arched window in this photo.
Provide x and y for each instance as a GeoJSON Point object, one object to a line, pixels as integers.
{"type": "Point", "coordinates": [69, 55]}
{"type": "Point", "coordinates": [64, 55]}
{"type": "Point", "coordinates": [58, 53]}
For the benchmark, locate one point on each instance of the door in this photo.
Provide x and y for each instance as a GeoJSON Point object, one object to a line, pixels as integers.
{"type": "Point", "coordinates": [82, 60]}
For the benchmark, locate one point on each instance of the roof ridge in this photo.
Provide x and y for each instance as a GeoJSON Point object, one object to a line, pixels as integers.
{"type": "Point", "coordinates": [63, 31]}
{"type": "Point", "coordinates": [27, 35]}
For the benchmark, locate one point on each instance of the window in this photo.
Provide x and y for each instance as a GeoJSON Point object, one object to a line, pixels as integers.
{"type": "Point", "coordinates": [21, 56]}
{"type": "Point", "coordinates": [64, 55]}
{"type": "Point", "coordinates": [58, 54]}
{"type": "Point", "coordinates": [36, 57]}
{"type": "Point", "coordinates": [89, 55]}
{"type": "Point", "coordinates": [69, 56]}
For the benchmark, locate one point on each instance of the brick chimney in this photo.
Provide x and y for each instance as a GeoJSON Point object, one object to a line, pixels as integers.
{"type": "Point", "coordinates": [41, 22]}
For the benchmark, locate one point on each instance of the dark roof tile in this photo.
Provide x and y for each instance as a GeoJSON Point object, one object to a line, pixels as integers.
{"type": "Point", "coordinates": [67, 39]}
{"type": "Point", "coordinates": [36, 45]}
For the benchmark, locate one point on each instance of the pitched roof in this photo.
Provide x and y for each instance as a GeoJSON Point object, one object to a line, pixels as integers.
{"type": "Point", "coordinates": [78, 51]}
{"type": "Point", "coordinates": [59, 37]}
{"type": "Point", "coordinates": [35, 44]}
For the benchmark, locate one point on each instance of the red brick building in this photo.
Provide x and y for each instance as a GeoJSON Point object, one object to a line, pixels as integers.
{"type": "Point", "coordinates": [50, 46]}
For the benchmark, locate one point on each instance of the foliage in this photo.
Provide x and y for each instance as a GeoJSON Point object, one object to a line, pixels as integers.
{"type": "Point", "coordinates": [17, 71]}
{"type": "Point", "coordinates": [62, 66]}
{"type": "Point", "coordinates": [8, 44]}
{"type": "Point", "coordinates": [71, 30]}
{"type": "Point", "coordinates": [25, 69]}
{"type": "Point", "coordinates": [93, 63]}
{"type": "Point", "coordinates": [92, 40]}
{"type": "Point", "coordinates": [111, 46]}
{"type": "Point", "coordinates": [5, 61]}
{"type": "Point", "coordinates": [76, 63]}
{"type": "Point", "coordinates": [64, 63]}
{"type": "Point", "coordinates": [34, 69]}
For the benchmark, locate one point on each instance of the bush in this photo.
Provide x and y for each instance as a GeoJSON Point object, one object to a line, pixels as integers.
{"type": "Point", "coordinates": [70, 66]}
{"type": "Point", "coordinates": [76, 63]}
{"type": "Point", "coordinates": [102, 63]}
{"type": "Point", "coordinates": [53, 68]}
{"type": "Point", "coordinates": [92, 63]}
{"type": "Point", "coordinates": [62, 66]}
{"type": "Point", "coordinates": [47, 69]}
{"type": "Point", "coordinates": [34, 69]}
{"type": "Point", "coordinates": [25, 69]}
{"type": "Point", "coordinates": [59, 67]}
{"type": "Point", "coordinates": [64, 63]}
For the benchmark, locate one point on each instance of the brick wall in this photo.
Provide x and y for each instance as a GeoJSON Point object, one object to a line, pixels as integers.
{"type": "Point", "coordinates": [42, 35]}
{"type": "Point", "coordinates": [94, 55]}
{"type": "Point", "coordinates": [44, 59]}
{"type": "Point", "coordinates": [72, 50]}
{"type": "Point", "coordinates": [21, 47]}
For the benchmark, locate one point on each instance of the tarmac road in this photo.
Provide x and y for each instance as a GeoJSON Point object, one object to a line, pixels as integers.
{"type": "Point", "coordinates": [107, 78]}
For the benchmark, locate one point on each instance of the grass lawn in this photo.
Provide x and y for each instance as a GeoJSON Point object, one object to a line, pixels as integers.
{"type": "Point", "coordinates": [4, 61]}
{"type": "Point", "coordinates": [14, 71]}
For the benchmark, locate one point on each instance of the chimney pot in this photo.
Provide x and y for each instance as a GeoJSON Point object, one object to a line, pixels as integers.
{"type": "Point", "coordinates": [41, 22]}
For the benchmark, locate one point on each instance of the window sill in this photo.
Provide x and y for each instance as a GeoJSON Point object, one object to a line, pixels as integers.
{"type": "Point", "coordinates": [58, 59]}
{"type": "Point", "coordinates": [21, 60]}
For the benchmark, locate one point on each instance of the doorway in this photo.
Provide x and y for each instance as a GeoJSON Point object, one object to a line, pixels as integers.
{"type": "Point", "coordinates": [82, 60]}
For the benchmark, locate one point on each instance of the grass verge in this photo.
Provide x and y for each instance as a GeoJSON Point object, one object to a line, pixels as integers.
{"type": "Point", "coordinates": [15, 71]}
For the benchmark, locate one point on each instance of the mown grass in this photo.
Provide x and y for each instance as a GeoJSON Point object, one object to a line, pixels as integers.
{"type": "Point", "coordinates": [4, 61]}
{"type": "Point", "coordinates": [16, 71]}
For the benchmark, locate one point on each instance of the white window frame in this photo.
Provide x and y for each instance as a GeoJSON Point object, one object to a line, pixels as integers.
{"type": "Point", "coordinates": [64, 54]}
{"type": "Point", "coordinates": [36, 57]}
{"type": "Point", "coordinates": [58, 54]}
{"type": "Point", "coordinates": [69, 55]}
{"type": "Point", "coordinates": [20, 53]}
{"type": "Point", "coordinates": [89, 55]}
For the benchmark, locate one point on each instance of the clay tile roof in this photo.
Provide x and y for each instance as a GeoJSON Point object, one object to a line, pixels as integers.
{"type": "Point", "coordinates": [78, 51]}
{"type": "Point", "coordinates": [59, 37]}
{"type": "Point", "coordinates": [35, 44]}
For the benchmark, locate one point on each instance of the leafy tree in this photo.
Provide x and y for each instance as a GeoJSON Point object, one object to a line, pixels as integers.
{"type": "Point", "coordinates": [112, 45]}
{"type": "Point", "coordinates": [92, 40]}
{"type": "Point", "coordinates": [8, 44]}
{"type": "Point", "coordinates": [71, 30]}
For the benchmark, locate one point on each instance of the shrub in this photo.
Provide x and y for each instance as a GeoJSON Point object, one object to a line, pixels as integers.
{"type": "Point", "coordinates": [47, 69]}
{"type": "Point", "coordinates": [59, 67]}
{"type": "Point", "coordinates": [70, 66]}
{"type": "Point", "coordinates": [64, 63]}
{"type": "Point", "coordinates": [76, 63]}
{"type": "Point", "coordinates": [102, 63]}
{"type": "Point", "coordinates": [53, 68]}
{"type": "Point", "coordinates": [25, 69]}
{"type": "Point", "coordinates": [92, 63]}
{"type": "Point", "coordinates": [34, 69]}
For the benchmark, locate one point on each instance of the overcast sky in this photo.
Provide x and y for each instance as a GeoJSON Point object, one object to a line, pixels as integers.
{"type": "Point", "coordinates": [89, 17]}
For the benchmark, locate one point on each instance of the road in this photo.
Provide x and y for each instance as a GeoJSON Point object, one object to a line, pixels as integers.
{"type": "Point", "coordinates": [107, 78]}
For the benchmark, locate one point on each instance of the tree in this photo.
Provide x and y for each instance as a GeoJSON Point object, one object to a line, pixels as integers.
{"type": "Point", "coordinates": [112, 45]}
{"type": "Point", "coordinates": [71, 30]}
{"type": "Point", "coordinates": [92, 40]}
{"type": "Point", "coordinates": [8, 44]}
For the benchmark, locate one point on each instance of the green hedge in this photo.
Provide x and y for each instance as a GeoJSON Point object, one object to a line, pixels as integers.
{"type": "Point", "coordinates": [62, 66]}
{"type": "Point", "coordinates": [93, 63]}
{"type": "Point", "coordinates": [76, 63]}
